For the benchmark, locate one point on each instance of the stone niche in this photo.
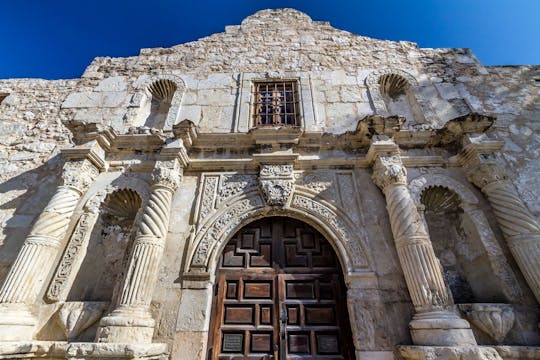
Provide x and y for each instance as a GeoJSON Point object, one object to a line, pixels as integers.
{"type": "Point", "coordinates": [466, 265]}
{"type": "Point", "coordinates": [109, 243]}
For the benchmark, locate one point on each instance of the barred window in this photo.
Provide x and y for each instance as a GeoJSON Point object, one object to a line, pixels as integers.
{"type": "Point", "coordinates": [276, 103]}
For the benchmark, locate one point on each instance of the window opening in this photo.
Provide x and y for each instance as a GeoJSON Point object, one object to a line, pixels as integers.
{"type": "Point", "coordinates": [3, 96]}
{"type": "Point", "coordinates": [276, 104]}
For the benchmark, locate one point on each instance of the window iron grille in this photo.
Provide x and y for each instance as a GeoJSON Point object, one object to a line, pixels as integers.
{"type": "Point", "coordinates": [276, 104]}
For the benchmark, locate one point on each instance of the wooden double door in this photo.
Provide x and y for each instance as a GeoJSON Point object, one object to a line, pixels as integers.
{"type": "Point", "coordinates": [279, 295]}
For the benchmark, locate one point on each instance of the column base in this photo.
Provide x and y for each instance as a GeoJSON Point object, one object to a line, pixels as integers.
{"type": "Point", "coordinates": [16, 322]}
{"type": "Point", "coordinates": [124, 325]}
{"type": "Point", "coordinates": [441, 328]}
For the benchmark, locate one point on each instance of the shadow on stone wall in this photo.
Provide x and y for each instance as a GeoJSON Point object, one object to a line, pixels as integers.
{"type": "Point", "coordinates": [22, 199]}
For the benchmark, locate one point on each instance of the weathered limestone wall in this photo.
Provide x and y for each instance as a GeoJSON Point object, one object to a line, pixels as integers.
{"type": "Point", "coordinates": [512, 94]}
{"type": "Point", "coordinates": [31, 133]}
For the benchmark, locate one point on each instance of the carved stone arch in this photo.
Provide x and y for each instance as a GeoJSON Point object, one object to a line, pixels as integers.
{"type": "Point", "coordinates": [143, 87]}
{"type": "Point", "coordinates": [419, 184]}
{"type": "Point", "coordinates": [239, 211]}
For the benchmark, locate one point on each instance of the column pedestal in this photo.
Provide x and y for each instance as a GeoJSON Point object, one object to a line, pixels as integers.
{"type": "Point", "coordinates": [127, 325]}
{"type": "Point", "coordinates": [443, 328]}
{"type": "Point", "coordinates": [17, 322]}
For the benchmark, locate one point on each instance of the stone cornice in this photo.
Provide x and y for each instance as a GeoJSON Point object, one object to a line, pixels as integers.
{"type": "Point", "coordinates": [91, 151]}
{"type": "Point", "coordinates": [197, 151]}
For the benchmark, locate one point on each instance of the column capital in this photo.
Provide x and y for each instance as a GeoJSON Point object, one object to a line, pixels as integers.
{"type": "Point", "coordinates": [384, 155]}
{"type": "Point", "coordinates": [79, 174]}
{"type": "Point", "coordinates": [482, 161]}
{"type": "Point", "coordinates": [167, 173]}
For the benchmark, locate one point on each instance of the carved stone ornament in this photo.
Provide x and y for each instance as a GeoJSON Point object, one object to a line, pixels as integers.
{"type": "Point", "coordinates": [79, 174]}
{"type": "Point", "coordinates": [496, 320]}
{"type": "Point", "coordinates": [167, 174]}
{"type": "Point", "coordinates": [388, 170]}
{"type": "Point", "coordinates": [277, 183]}
{"type": "Point", "coordinates": [75, 317]}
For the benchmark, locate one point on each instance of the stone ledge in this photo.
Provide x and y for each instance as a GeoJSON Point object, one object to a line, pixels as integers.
{"type": "Point", "coordinates": [56, 350]}
{"type": "Point", "coordinates": [448, 353]}
{"type": "Point", "coordinates": [518, 352]}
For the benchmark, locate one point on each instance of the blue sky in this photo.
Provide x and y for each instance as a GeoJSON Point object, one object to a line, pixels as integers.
{"type": "Point", "coordinates": [57, 38]}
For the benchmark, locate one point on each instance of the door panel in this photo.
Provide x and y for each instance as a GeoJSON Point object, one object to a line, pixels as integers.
{"type": "Point", "coordinates": [280, 296]}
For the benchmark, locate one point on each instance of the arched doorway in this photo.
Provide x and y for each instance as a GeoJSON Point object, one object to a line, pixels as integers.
{"type": "Point", "coordinates": [279, 295]}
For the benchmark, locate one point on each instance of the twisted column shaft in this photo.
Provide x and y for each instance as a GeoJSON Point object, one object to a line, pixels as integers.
{"type": "Point", "coordinates": [148, 249]}
{"type": "Point", "coordinates": [518, 225]}
{"type": "Point", "coordinates": [45, 240]}
{"type": "Point", "coordinates": [420, 266]}
{"type": "Point", "coordinates": [131, 321]}
{"type": "Point", "coordinates": [434, 323]}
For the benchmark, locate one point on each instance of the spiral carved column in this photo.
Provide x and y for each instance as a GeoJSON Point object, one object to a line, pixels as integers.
{"type": "Point", "coordinates": [434, 323]}
{"type": "Point", "coordinates": [131, 321]}
{"type": "Point", "coordinates": [518, 225]}
{"type": "Point", "coordinates": [35, 260]}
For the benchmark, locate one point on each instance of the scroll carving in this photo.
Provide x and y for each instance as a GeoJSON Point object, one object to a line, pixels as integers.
{"type": "Point", "coordinates": [231, 185]}
{"type": "Point", "coordinates": [72, 254]}
{"type": "Point", "coordinates": [208, 197]}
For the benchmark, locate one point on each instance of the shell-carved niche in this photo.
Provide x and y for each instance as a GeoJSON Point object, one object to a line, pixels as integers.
{"type": "Point", "coordinates": [391, 92]}
{"type": "Point", "coordinates": [442, 215]}
{"type": "Point", "coordinates": [108, 246]}
{"type": "Point", "coordinates": [467, 266]}
{"type": "Point", "coordinates": [161, 95]}
{"type": "Point", "coordinates": [157, 103]}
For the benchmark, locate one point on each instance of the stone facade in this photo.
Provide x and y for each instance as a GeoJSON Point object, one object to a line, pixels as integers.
{"type": "Point", "coordinates": [419, 166]}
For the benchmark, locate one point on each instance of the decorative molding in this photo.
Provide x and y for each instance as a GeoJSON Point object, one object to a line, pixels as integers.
{"type": "Point", "coordinates": [73, 256]}
{"type": "Point", "coordinates": [234, 213]}
{"type": "Point", "coordinates": [223, 223]}
{"type": "Point", "coordinates": [334, 221]}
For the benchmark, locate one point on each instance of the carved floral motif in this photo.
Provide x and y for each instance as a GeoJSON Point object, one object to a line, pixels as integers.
{"type": "Point", "coordinates": [277, 183]}
{"type": "Point", "coordinates": [483, 169]}
{"type": "Point", "coordinates": [319, 183]}
{"type": "Point", "coordinates": [388, 170]}
{"type": "Point", "coordinates": [71, 256]}
{"type": "Point", "coordinates": [231, 185]}
{"type": "Point", "coordinates": [79, 174]}
{"type": "Point", "coordinates": [167, 174]}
